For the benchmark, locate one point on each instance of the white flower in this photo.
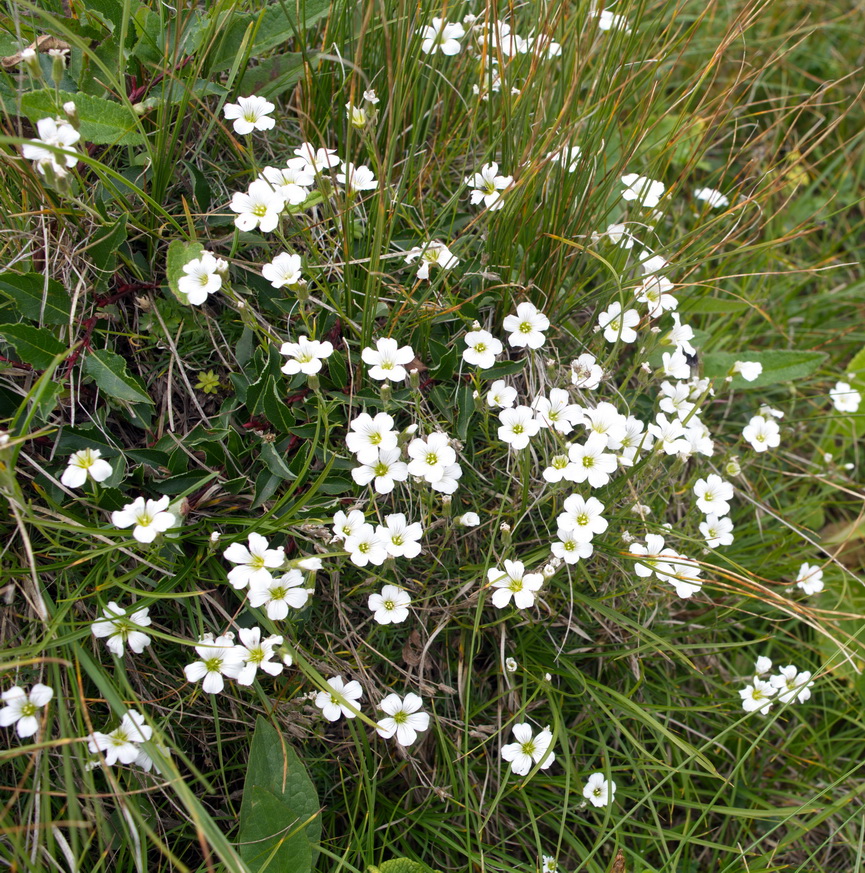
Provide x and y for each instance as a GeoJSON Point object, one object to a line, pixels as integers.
{"type": "Point", "coordinates": [568, 157]}
{"type": "Point", "coordinates": [305, 356]}
{"type": "Point", "coordinates": [590, 462]}
{"type": "Point", "coordinates": [148, 516]}
{"type": "Point", "coordinates": [219, 658]}
{"type": "Point", "coordinates": [441, 36]}
{"type": "Point", "coordinates": [717, 531]}
{"type": "Point", "coordinates": [384, 472]}
{"type": "Point", "coordinates": [341, 698]}
{"type": "Point", "coordinates": [254, 563]}
{"type": "Point", "coordinates": [449, 480]}
{"type": "Point", "coordinates": [433, 253]}
{"type": "Point", "coordinates": [511, 665]}
{"type": "Point", "coordinates": [792, 685]}
{"type": "Point", "coordinates": [680, 336]}
{"type": "Point", "coordinates": [527, 327]}
{"type": "Point", "coordinates": [514, 582]}
{"type": "Point", "coordinates": [758, 697]}
{"type": "Point", "coordinates": [748, 370]}
{"type": "Point", "coordinates": [370, 97]}
{"type": "Point", "coordinates": [634, 439]}
{"type": "Point", "coordinates": [610, 21]}
{"type": "Point", "coordinates": [529, 750]}
{"type": "Point", "coordinates": [653, 292]}
{"type": "Point", "coordinates": [586, 372]}
{"type": "Point", "coordinates": [368, 436]}
{"type": "Point", "coordinates": [431, 456]}
{"type": "Point", "coordinates": [676, 399]}
{"type": "Point", "coordinates": [647, 191]}
{"type": "Point", "coordinates": [365, 546]}
{"type": "Point", "coordinates": [685, 575]}
{"type": "Point", "coordinates": [122, 744]}
{"type": "Point", "coordinates": [469, 519]}
{"type": "Point", "coordinates": [314, 160]}
{"type": "Point", "coordinates": [712, 495]}
{"type": "Point", "coordinates": [481, 349]}
{"type": "Point", "coordinates": [618, 235]}
{"type": "Point", "coordinates": [283, 271]}
{"type": "Point", "coordinates": [21, 708]}
{"type": "Point", "coordinates": [549, 864]}
{"type": "Point", "coordinates": [762, 433]}
{"type": "Point", "coordinates": [582, 517]}
{"type": "Point", "coordinates": [670, 434]}
{"type": "Point", "coordinates": [557, 411]}
{"type": "Point", "coordinates": [488, 185]}
{"type": "Point", "coordinates": [501, 395]}
{"type": "Point", "coordinates": [60, 135]}
{"type": "Point", "coordinates": [618, 325]}
{"type": "Point", "coordinates": [655, 557]}
{"type": "Point", "coordinates": [518, 426]}
{"type": "Point", "coordinates": [356, 178]}
{"type": "Point", "coordinates": [570, 547]}
{"type": "Point", "coordinates": [256, 653]}
{"type": "Point", "coordinates": [250, 113]}
{"type": "Point", "coordinates": [810, 578]}
{"type": "Point", "coordinates": [259, 207]}
{"type": "Point", "coordinates": [713, 198]}
{"type": "Point", "coordinates": [390, 606]}
{"type": "Point", "coordinates": [762, 666]}
{"type": "Point", "coordinates": [83, 464]}
{"type": "Point", "coordinates": [277, 595]}
{"type": "Point", "coordinates": [345, 526]}
{"type": "Point", "coordinates": [404, 718]}
{"type": "Point", "coordinates": [400, 538]}
{"type": "Point", "coordinates": [291, 182]}
{"type": "Point", "coordinates": [651, 263]}
{"type": "Point", "coordinates": [845, 398]}
{"type": "Point", "coordinates": [203, 276]}
{"type": "Point", "coordinates": [606, 420]}
{"type": "Point", "coordinates": [356, 115]}
{"type": "Point", "coordinates": [387, 360]}
{"type": "Point", "coordinates": [559, 468]}
{"type": "Point", "coordinates": [599, 791]}
{"type": "Point", "coordinates": [122, 629]}
{"type": "Point", "coordinates": [675, 365]}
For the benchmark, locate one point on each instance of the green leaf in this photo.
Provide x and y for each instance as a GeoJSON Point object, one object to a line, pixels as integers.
{"type": "Point", "coordinates": [276, 74]}
{"type": "Point", "coordinates": [465, 404]}
{"type": "Point", "coordinates": [275, 408]}
{"type": "Point", "coordinates": [108, 371]}
{"type": "Point", "coordinates": [102, 121]}
{"type": "Point", "coordinates": [275, 463]}
{"type": "Point", "coordinates": [402, 865]}
{"type": "Point", "coordinates": [47, 303]}
{"type": "Point", "coordinates": [180, 253]}
{"type": "Point", "coordinates": [713, 305]}
{"type": "Point", "coordinates": [36, 346]}
{"type": "Point", "coordinates": [280, 826]}
{"type": "Point", "coordinates": [277, 23]}
{"type": "Point", "coordinates": [778, 366]}
{"type": "Point", "coordinates": [104, 251]}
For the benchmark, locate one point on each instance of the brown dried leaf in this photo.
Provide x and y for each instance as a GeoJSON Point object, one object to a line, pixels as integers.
{"type": "Point", "coordinates": [44, 43]}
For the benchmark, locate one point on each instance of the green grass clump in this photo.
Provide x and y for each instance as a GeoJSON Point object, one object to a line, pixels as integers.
{"type": "Point", "coordinates": [100, 348]}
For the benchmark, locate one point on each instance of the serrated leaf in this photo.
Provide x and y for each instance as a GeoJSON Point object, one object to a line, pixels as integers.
{"type": "Point", "coordinates": [103, 122]}
{"type": "Point", "coordinates": [36, 346]}
{"type": "Point", "coordinates": [108, 371]}
{"type": "Point", "coordinates": [279, 822]}
{"type": "Point", "coordinates": [46, 303]}
{"type": "Point", "coordinates": [778, 366]}
{"type": "Point", "coordinates": [180, 253]}
{"type": "Point", "coordinates": [277, 23]}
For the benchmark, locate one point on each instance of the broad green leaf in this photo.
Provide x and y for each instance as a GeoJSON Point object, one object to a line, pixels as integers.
{"type": "Point", "coordinates": [278, 23]}
{"type": "Point", "coordinates": [280, 826]}
{"type": "Point", "coordinates": [275, 408]}
{"type": "Point", "coordinates": [46, 303]}
{"type": "Point", "coordinates": [180, 253]}
{"type": "Point", "coordinates": [276, 74]}
{"type": "Point", "coordinates": [275, 462]}
{"type": "Point", "coordinates": [401, 865]}
{"type": "Point", "coordinates": [108, 370]}
{"type": "Point", "coordinates": [36, 346]}
{"type": "Point", "coordinates": [778, 366]}
{"type": "Point", "coordinates": [103, 252]}
{"type": "Point", "coordinates": [103, 122]}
